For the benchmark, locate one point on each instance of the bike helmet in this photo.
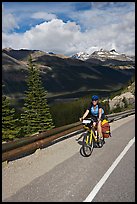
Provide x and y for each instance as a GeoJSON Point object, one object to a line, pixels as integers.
{"type": "Point", "coordinates": [95, 98]}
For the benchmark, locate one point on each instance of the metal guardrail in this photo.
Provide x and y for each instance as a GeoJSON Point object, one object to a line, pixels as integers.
{"type": "Point", "coordinates": [35, 137]}
{"type": "Point", "coordinates": [22, 146]}
{"type": "Point", "coordinates": [117, 116]}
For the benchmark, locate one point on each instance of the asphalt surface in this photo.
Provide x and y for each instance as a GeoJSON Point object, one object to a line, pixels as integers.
{"type": "Point", "coordinates": [59, 173]}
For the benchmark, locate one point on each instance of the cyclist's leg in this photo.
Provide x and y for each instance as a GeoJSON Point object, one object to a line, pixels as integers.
{"type": "Point", "coordinates": [94, 120]}
{"type": "Point", "coordinates": [99, 129]}
{"type": "Point", "coordinates": [94, 124]}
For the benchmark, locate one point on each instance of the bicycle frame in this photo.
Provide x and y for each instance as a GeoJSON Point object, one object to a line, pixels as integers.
{"type": "Point", "coordinates": [89, 138]}
{"type": "Point", "coordinates": [91, 131]}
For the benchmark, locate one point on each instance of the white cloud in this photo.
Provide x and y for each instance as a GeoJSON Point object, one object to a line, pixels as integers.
{"type": "Point", "coordinates": [107, 27]}
{"type": "Point", "coordinates": [54, 35]}
{"type": "Point", "coordinates": [104, 29]}
{"type": "Point", "coordinates": [44, 15]}
{"type": "Point", "coordinates": [8, 21]}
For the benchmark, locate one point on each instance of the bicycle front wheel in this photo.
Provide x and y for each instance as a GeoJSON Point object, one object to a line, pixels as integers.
{"type": "Point", "coordinates": [87, 145]}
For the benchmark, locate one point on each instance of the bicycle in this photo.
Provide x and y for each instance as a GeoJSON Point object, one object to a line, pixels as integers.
{"type": "Point", "coordinates": [90, 139]}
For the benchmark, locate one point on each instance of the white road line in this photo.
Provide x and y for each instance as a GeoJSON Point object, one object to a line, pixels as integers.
{"type": "Point", "coordinates": [109, 171]}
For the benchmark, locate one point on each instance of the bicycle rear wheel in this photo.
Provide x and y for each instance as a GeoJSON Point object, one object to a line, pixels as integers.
{"type": "Point", "coordinates": [87, 145]}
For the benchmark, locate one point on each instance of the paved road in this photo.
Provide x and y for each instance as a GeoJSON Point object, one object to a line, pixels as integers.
{"type": "Point", "coordinates": [59, 173]}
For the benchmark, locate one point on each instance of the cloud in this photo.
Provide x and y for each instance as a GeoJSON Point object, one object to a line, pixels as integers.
{"type": "Point", "coordinates": [43, 15]}
{"type": "Point", "coordinates": [87, 30]}
{"type": "Point", "coordinates": [8, 21]}
{"type": "Point", "coordinates": [111, 5]}
{"type": "Point", "coordinates": [109, 24]}
{"type": "Point", "coordinates": [54, 35]}
{"type": "Point", "coordinates": [104, 14]}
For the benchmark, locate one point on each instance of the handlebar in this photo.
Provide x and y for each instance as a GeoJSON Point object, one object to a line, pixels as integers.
{"type": "Point", "coordinates": [87, 121]}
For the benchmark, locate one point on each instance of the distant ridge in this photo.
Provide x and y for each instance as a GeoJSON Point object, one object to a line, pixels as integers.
{"type": "Point", "coordinates": [65, 76]}
{"type": "Point", "coordinates": [103, 55]}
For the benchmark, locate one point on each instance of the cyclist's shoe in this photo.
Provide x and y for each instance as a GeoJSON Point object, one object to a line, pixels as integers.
{"type": "Point", "coordinates": [103, 140]}
{"type": "Point", "coordinates": [100, 142]}
{"type": "Point", "coordinates": [95, 145]}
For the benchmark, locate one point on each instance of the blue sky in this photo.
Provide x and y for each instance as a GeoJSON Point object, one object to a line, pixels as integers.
{"type": "Point", "coordinates": [69, 27]}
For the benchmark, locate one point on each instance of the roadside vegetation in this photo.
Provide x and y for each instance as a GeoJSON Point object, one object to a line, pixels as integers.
{"type": "Point", "coordinates": [36, 115]}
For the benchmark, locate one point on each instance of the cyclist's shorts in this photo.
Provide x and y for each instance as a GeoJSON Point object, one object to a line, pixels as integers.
{"type": "Point", "coordinates": [95, 118]}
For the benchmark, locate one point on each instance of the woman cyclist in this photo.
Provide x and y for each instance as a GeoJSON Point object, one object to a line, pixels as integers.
{"type": "Point", "coordinates": [97, 114]}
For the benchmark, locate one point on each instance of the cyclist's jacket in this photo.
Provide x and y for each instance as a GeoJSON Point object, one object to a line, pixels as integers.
{"type": "Point", "coordinates": [95, 112]}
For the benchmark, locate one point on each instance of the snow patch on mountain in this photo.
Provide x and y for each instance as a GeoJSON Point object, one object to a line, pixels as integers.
{"type": "Point", "coordinates": [102, 55]}
{"type": "Point", "coordinates": [81, 56]}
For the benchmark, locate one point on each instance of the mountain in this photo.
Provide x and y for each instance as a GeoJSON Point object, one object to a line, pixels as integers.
{"type": "Point", "coordinates": [127, 95]}
{"type": "Point", "coordinates": [63, 76]}
{"type": "Point", "coordinates": [81, 56]}
{"type": "Point", "coordinates": [23, 54]}
{"type": "Point", "coordinates": [112, 54]}
{"type": "Point", "coordinates": [105, 57]}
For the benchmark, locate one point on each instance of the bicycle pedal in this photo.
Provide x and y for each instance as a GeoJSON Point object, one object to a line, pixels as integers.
{"type": "Point", "coordinates": [100, 139]}
{"type": "Point", "coordinates": [100, 143]}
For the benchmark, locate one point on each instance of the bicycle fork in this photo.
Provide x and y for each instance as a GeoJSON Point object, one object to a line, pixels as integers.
{"type": "Point", "coordinates": [89, 138]}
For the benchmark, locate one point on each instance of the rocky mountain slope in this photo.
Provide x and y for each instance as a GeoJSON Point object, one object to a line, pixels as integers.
{"type": "Point", "coordinates": [64, 76]}
{"type": "Point", "coordinates": [127, 95]}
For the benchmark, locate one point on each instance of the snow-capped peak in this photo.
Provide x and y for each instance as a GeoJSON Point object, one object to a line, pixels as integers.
{"type": "Point", "coordinates": [101, 54]}
{"type": "Point", "coordinates": [113, 52]}
{"type": "Point", "coordinates": [81, 55]}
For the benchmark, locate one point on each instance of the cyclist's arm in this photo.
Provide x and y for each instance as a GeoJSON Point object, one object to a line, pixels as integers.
{"type": "Point", "coordinates": [85, 115]}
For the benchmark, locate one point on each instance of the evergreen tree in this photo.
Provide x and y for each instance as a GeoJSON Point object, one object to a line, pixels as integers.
{"type": "Point", "coordinates": [9, 129]}
{"type": "Point", "coordinates": [124, 100]}
{"type": "Point", "coordinates": [36, 115]}
{"type": "Point", "coordinates": [105, 105]}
